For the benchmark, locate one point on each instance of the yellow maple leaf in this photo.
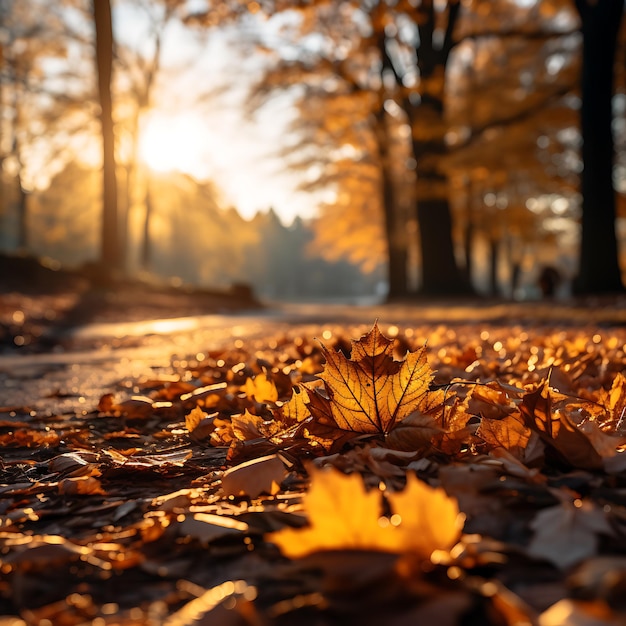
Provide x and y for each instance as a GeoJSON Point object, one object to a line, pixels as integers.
{"type": "Point", "coordinates": [371, 391]}
{"type": "Point", "coordinates": [296, 409]}
{"type": "Point", "coordinates": [343, 515]}
{"type": "Point", "coordinates": [261, 388]}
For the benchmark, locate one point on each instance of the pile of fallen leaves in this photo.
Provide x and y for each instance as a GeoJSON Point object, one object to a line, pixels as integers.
{"type": "Point", "coordinates": [331, 482]}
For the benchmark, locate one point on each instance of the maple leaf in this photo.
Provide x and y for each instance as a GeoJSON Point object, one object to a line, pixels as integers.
{"type": "Point", "coordinates": [567, 533]}
{"type": "Point", "coordinates": [371, 391]}
{"type": "Point", "coordinates": [556, 430]}
{"type": "Point", "coordinates": [261, 388]}
{"type": "Point", "coordinates": [296, 409]}
{"type": "Point", "coordinates": [509, 433]}
{"type": "Point", "coordinates": [343, 515]}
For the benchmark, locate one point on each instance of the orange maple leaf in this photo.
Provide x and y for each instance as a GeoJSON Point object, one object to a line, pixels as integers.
{"type": "Point", "coordinates": [343, 515]}
{"type": "Point", "coordinates": [261, 388]}
{"type": "Point", "coordinates": [371, 391]}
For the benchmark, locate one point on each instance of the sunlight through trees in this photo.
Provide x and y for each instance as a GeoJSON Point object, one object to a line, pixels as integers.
{"type": "Point", "coordinates": [441, 147]}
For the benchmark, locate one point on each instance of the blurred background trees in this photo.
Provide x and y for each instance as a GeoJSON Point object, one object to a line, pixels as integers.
{"type": "Point", "coordinates": [319, 149]}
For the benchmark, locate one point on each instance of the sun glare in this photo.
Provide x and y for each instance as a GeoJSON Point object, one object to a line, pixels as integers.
{"type": "Point", "coordinates": [175, 143]}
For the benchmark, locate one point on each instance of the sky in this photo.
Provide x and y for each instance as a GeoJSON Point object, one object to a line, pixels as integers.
{"type": "Point", "coordinates": [215, 139]}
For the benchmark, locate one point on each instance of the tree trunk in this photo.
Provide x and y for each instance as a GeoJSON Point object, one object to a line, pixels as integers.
{"type": "Point", "coordinates": [22, 197]}
{"type": "Point", "coordinates": [22, 217]}
{"type": "Point", "coordinates": [440, 273]}
{"type": "Point", "coordinates": [110, 248]}
{"type": "Point", "coordinates": [146, 244]}
{"type": "Point", "coordinates": [395, 230]}
{"type": "Point", "coordinates": [599, 270]}
{"type": "Point", "coordinates": [468, 233]}
{"type": "Point", "coordinates": [494, 253]}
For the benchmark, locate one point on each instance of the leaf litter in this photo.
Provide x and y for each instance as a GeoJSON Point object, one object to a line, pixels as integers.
{"type": "Point", "coordinates": [334, 482]}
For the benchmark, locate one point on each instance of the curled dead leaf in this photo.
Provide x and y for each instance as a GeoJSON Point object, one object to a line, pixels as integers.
{"type": "Point", "coordinates": [206, 527]}
{"type": "Point", "coordinates": [556, 430]}
{"type": "Point", "coordinates": [252, 478]}
{"type": "Point", "coordinates": [416, 432]}
{"type": "Point", "coordinates": [81, 485]}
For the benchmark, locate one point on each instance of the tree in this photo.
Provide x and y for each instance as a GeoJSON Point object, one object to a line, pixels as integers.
{"type": "Point", "coordinates": [29, 105]}
{"type": "Point", "coordinates": [141, 69]}
{"type": "Point", "coordinates": [599, 270]}
{"type": "Point", "coordinates": [512, 110]}
{"type": "Point", "coordinates": [426, 110]}
{"type": "Point", "coordinates": [67, 211]}
{"type": "Point", "coordinates": [110, 247]}
{"type": "Point", "coordinates": [359, 60]}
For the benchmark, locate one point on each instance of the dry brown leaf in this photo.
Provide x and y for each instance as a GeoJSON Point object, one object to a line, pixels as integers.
{"type": "Point", "coordinates": [556, 430]}
{"type": "Point", "coordinates": [416, 432]}
{"type": "Point", "coordinates": [371, 391]}
{"type": "Point", "coordinates": [615, 403]}
{"type": "Point", "coordinates": [247, 426]}
{"type": "Point", "coordinates": [491, 400]}
{"type": "Point", "coordinates": [206, 527]}
{"type": "Point", "coordinates": [254, 477]}
{"type": "Point", "coordinates": [78, 463]}
{"type": "Point", "coordinates": [193, 418]}
{"type": "Point", "coordinates": [81, 485]}
{"type": "Point", "coordinates": [567, 533]}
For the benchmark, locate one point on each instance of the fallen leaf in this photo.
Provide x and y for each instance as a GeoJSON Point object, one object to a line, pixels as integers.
{"type": "Point", "coordinates": [615, 403]}
{"type": "Point", "coordinates": [247, 426]}
{"type": "Point", "coordinates": [509, 433]}
{"type": "Point", "coordinates": [372, 391]}
{"type": "Point", "coordinates": [491, 400]}
{"type": "Point", "coordinates": [416, 432]}
{"type": "Point", "coordinates": [252, 478]}
{"type": "Point", "coordinates": [206, 527]}
{"type": "Point", "coordinates": [296, 409]}
{"type": "Point", "coordinates": [343, 515]}
{"type": "Point", "coordinates": [194, 417]}
{"type": "Point", "coordinates": [261, 388]}
{"type": "Point", "coordinates": [79, 463]}
{"type": "Point", "coordinates": [81, 485]}
{"type": "Point", "coordinates": [556, 430]}
{"type": "Point", "coordinates": [426, 517]}
{"type": "Point", "coordinates": [567, 533]}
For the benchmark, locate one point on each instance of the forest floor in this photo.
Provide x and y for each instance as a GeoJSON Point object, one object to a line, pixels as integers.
{"type": "Point", "coordinates": [327, 473]}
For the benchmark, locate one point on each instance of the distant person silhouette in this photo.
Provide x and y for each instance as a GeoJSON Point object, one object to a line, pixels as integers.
{"type": "Point", "coordinates": [549, 279]}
